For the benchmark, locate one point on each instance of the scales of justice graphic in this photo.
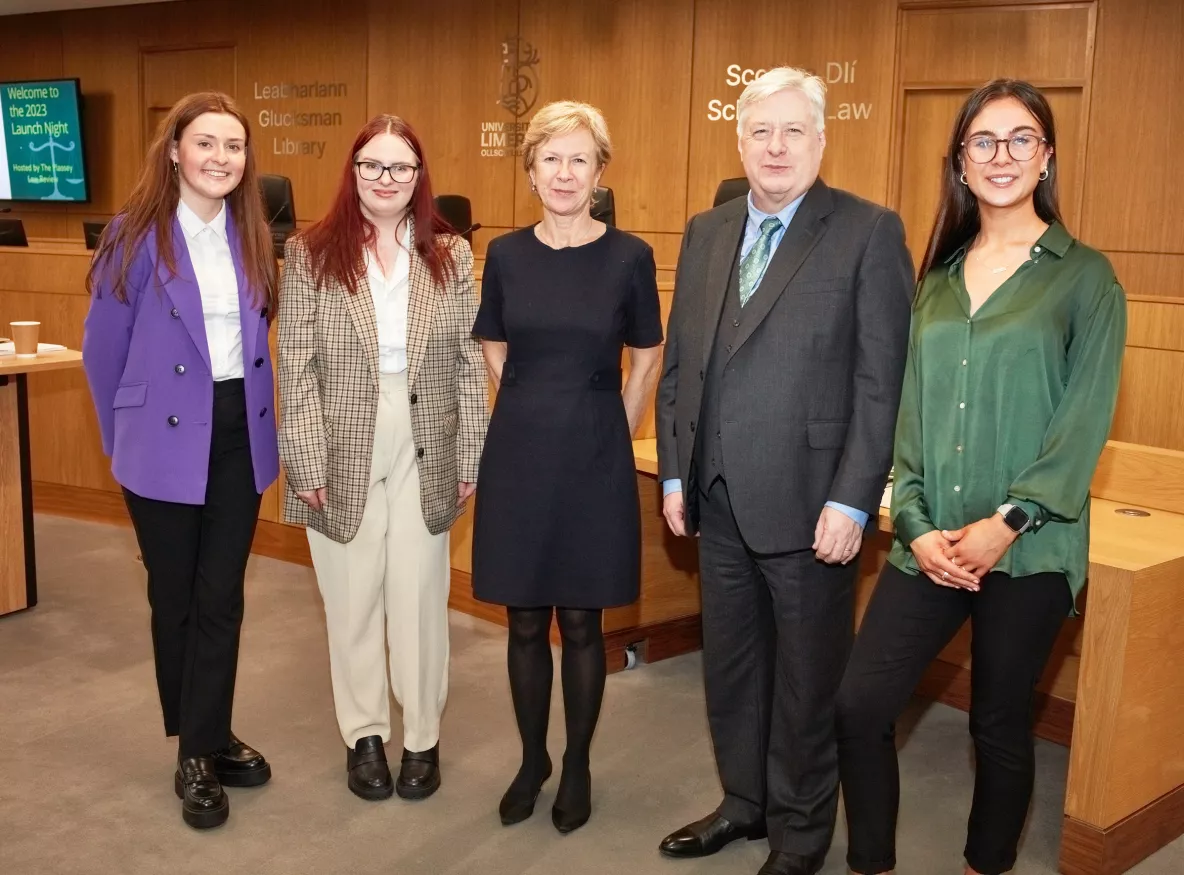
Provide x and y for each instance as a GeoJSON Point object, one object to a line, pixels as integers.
{"type": "Point", "coordinates": [53, 146]}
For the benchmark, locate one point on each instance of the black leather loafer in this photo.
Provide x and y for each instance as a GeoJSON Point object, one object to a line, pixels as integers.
{"type": "Point", "coordinates": [419, 774]}
{"type": "Point", "coordinates": [369, 775]}
{"type": "Point", "coordinates": [707, 836]}
{"type": "Point", "coordinates": [203, 803]}
{"type": "Point", "coordinates": [240, 765]}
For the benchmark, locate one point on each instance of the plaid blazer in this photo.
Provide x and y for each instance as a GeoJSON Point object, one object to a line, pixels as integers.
{"type": "Point", "coordinates": [328, 379]}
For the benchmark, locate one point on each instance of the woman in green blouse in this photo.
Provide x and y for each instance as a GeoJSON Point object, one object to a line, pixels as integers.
{"type": "Point", "coordinates": [1009, 390]}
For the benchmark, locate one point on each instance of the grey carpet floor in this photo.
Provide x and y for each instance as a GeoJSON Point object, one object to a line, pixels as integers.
{"type": "Point", "coordinates": [86, 774]}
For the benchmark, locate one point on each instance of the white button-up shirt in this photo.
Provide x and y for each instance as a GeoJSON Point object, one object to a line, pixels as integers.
{"type": "Point", "coordinates": [213, 265]}
{"type": "Point", "coordinates": [392, 296]}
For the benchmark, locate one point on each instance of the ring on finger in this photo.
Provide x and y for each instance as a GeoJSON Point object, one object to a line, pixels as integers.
{"type": "Point", "coordinates": [945, 575]}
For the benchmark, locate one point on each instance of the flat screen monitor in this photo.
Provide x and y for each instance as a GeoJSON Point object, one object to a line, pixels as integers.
{"type": "Point", "coordinates": [12, 233]}
{"type": "Point", "coordinates": [42, 155]}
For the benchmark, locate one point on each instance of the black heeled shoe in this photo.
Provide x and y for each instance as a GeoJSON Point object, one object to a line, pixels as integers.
{"type": "Point", "coordinates": [573, 800]}
{"type": "Point", "coordinates": [518, 802]}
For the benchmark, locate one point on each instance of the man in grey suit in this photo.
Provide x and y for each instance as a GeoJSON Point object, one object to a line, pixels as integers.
{"type": "Point", "coordinates": [776, 410]}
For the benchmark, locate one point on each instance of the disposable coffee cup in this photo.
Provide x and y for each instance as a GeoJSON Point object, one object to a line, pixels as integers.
{"type": "Point", "coordinates": [24, 338]}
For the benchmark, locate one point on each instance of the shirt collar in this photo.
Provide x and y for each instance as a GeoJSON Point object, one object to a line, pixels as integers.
{"type": "Point", "coordinates": [1055, 239]}
{"type": "Point", "coordinates": [785, 215]}
{"type": "Point", "coordinates": [192, 225]}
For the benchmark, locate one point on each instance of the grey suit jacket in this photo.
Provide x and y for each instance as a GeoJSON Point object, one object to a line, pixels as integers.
{"type": "Point", "coordinates": [808, 407]}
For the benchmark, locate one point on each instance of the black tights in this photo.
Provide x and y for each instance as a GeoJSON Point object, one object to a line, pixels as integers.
{"type": "Point", "coordinates": [582, 671]}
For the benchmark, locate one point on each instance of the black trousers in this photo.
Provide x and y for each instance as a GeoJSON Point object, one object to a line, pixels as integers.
{"type": "Point", "coordinates": [777, 631]}
{"type": "Point", "coordinates": [909, 620]}
{"type": "Point", "coordinates": [196, 557]}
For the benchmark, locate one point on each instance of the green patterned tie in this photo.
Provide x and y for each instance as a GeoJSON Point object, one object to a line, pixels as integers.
{"type": "Point", "coordinates": [754, 263]}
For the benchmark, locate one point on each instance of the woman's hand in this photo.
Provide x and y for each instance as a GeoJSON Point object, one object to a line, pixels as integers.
{"type": "Point", "coordinates": [931, 551]}
{"type": "Point", "coordinates": [317, 499]}
{"type": "Point", "coordinates": [464, 491]}
{"type": "Point", "coordinates": [978, 547]}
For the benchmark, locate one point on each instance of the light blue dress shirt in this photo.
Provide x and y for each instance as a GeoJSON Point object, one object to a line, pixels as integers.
{"type": "Point", "coordinates": [752, 231]}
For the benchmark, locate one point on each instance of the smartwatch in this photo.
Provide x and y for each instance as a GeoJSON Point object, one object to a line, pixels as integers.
{"type": "Point", "coordinates": [1015, 517]}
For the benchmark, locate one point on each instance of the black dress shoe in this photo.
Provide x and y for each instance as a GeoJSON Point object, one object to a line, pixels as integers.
{"type": "Point", "coordinates": [787, 864]}
{"type": "Point", "coordinates": [573, 799]}
{"type": "Point", "coordinates": [707, 836]}
{"type": "Point", "coordinates": [203, 803]}
{"type": "Point", "coordinates": [369, 775]}
{"type": "Point", "coordinates": [419, 774]}
{"type": "Point", "coordinates": [240, 765]}
{"type": "Point", "coordinates": [517, 804]}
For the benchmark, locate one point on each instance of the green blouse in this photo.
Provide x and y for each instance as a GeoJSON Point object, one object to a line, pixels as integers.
{"type": "Point", "coordinates": [1012, 404]}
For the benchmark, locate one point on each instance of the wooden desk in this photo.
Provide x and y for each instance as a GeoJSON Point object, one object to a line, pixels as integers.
{"type": "Point", "coordinates": [18, 558]}
{"type": "Point", "coordinates": [1114, 688]}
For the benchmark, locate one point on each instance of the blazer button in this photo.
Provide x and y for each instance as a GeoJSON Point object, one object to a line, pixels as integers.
{"type": "Point", "coordinates": [692, 428]}
{"type": "Point", "coordinates": [258, 363]}
{"type": "Point", "coordinates": [173, 420]}
{"type": "Point", "coordinates": [419, 453]}
{"type": "Point", "coordinates": [173, 312]}
{"type": "Point", "coordinates": [262, 412]}
{"type": "Point", "coordinates": [263, 313]}
{"type": "Point", "coordinates": [414, 397]}
{"type": "Point", "coordinates": [180, 369]}
{"type": "Point", "coordinates": [700, 375]}
{"type": "Point", "coordinates": [596, 378]}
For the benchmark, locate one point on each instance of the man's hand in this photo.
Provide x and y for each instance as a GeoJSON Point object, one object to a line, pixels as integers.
{"type": "Point", "coordinates": [931, 551]}
{"type": "Point", "coordinates": [464, 491]}
{"type": "Point", "coordinates": [675, 511]}
{"type": "Point", "coordinates": [317, 499]}
{"type": "Point", "coordinates": [837, 537]}
{"type": "Point", "coordinates": [978, 547]}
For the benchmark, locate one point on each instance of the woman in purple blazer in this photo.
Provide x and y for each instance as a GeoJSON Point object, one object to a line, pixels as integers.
{"type": "Point", "coordinates": [183, 286]}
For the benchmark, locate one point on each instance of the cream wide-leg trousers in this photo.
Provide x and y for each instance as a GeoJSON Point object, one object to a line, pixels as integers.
{"type": "Point", "coordinates": [388, 586]}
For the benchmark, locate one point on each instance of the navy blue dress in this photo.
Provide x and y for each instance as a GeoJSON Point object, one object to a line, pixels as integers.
{"type": "Point", "coordinates": [557, 518]}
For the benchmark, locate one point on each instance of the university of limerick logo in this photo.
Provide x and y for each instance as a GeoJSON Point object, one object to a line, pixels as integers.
{"type": "Point", "coordinates": [520, 77]}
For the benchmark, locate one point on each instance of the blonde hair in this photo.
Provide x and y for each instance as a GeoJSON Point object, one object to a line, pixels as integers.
{"type": "Point", "coordinates": [563, 117]}
{"type": "Point", "coordinates": [782, 79]}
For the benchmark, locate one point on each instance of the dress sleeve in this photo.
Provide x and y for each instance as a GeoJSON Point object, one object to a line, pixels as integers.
{"type": "Point", "coordinates": [643, 313]}
{"type": "Point", "coordinates": [489, 324]}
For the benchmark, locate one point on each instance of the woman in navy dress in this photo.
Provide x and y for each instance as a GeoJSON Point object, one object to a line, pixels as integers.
{"type": "Point", "coordinates": [558, 525]}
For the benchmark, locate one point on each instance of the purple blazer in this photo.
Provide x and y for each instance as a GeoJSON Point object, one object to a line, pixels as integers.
{"type": "Point", "coordinates": [148, 365]}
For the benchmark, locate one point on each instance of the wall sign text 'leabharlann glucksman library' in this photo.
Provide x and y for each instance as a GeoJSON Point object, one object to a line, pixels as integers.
{"type": "Point", "coordinates": [281, 114]}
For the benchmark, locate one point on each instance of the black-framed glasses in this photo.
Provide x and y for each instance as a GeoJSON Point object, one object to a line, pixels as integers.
{"type": "Point", "coordinates": [982, 149]}
{"type": "Point", "coordinates": [372, 171]}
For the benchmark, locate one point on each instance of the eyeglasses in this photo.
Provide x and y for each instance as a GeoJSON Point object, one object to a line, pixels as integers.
{"type": "Point", "coordinates": [372, 171]}
{"type": "Point", "coordinates": [983, 149]}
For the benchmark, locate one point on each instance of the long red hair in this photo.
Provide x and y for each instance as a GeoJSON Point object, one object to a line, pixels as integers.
{"type": "Point", "coordinates": [338, 242]}
{"type": "Point", "coordinates": [153, 205]}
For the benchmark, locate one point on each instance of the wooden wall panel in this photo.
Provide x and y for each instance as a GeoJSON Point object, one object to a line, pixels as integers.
{"type": "Point", "coordinates": [629, 59]}
{"type": "Point", "coordinates": [1148, 273]}
{"type": "Point", "coordinates": [1151, 399]}
{"type": "Point", "coordinates": [802, 34]}
{"type": "Point", "coordinates": [1134, 198]}
{"type": "Point", "coordinates": [464, 91]}
{"type": "Point", "coordinates": [971, 46]}
{"type": "Point", "coordinates": [313, 42]}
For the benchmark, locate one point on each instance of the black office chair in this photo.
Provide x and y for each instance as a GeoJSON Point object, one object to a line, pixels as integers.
{"type": "Point", "coordinates": [604, 207]}
{"type": "Point", "coordinates": [730, 189]}
{"type": "Point", "coordinates": [12, 233]}
{"type": "Point", "coordinates": [92, 231]}
{"type": "Point", "coordinates": [280, 208]}
{"type": "Point", "coordinates": [457, 211]}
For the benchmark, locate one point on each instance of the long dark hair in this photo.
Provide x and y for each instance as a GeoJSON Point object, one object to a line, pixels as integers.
{"type": "Point", "coordinates": [958, 217]}
{"type": "Point", "coordinates": [337, 243]}
{"type": "Point", "coordinates": [153, 205]}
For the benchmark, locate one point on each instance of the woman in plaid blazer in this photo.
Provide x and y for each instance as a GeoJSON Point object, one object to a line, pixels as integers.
{"type": "Point", "coordinates": [383, 415]}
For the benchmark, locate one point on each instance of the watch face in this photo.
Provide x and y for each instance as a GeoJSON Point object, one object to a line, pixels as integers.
{"type": "Point", "coordinates": [1016, 519]}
